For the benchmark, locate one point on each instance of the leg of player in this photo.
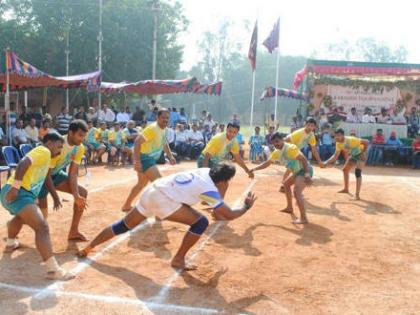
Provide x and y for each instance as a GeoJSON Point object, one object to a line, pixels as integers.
{"type": "Point", "coordinates": [198, 223]}
{"type": "Point", "coordinates": [74, 234]}
{"type": "Point", "coordinates": [358, 173]}
{"type": "Point", "coordinates": [285, 177]}
{"type": "Point", "coordinates": [43, 206]}
{"type": "Point", "coordinates": [288, 191]}
{"type": "Point", "coordinates": [13, 228]}
{"type": "Point", "coordinates": [130, 221]}
{"type": "Point", "coordinates": [346, 173]}
{"type": "Point", "coordinates": [31, 216]}
{"type": "Point", "coordinates": [298, 192]}
{"type": "Point", "coordinates": [142, 179]}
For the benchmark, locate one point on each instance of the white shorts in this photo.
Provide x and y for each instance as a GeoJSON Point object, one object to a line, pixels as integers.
{"type": "Point", "coordinates": [152, 202]}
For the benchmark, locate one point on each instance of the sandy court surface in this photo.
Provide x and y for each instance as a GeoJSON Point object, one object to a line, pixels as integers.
{"type": "Point", "coordinates": [354, 257]}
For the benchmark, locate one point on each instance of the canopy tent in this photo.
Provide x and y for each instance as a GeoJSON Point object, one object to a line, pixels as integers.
{"type": "Point", "coordinates": [271, 92]}
{"type": "Point", "coordinates": [208, 88]}
{"type": "Point", "coordinates": [150, 87]}
{"type": "Point", "coordinates": [23, 76]}
{"type": "Point", "coordinates": [357, 70]}
{"type": "Point", "coordinates": [155, 87]}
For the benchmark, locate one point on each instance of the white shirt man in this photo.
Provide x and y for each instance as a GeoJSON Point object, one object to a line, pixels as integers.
{"type": "Point", "coordinates": [171, 135]}
{"type": "Point", "coordinates": [196, 136]}
{"type": "Point", "coordinates": [101, 115]}
{"type": "Point", "coordinates": [32, 131]}
{"type": "Point", "coordinates": [181, 136]}
{"type": "Point", "coordinates": [352, 117]}
{"type": "Point", "coordinates": [368, 118]}
{"type": "Point", "coordinates": [109, 115]}
{"type": "Point", "coordinates": [123, 117]}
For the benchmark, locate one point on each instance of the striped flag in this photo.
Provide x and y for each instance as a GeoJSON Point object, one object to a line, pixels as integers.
{"type": "Point", "coordinates": [272, 41]}
{"type": "Point", "coordinates": [252, 53]}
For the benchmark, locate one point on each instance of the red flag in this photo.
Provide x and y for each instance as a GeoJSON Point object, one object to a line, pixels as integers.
{"type": "Point", "coordinates": [252, 53]}
{"type": "Point", "coordinates": [272, 41]}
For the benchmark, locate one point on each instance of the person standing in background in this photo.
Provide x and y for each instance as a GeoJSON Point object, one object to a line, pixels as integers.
{"type": "Point", "coordinates": [63, 121]}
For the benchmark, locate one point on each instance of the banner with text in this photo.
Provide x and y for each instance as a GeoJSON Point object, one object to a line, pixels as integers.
{"type": "Point", "coordinates": [360, 98]}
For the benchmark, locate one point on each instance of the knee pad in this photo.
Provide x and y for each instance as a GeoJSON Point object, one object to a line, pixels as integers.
{"type": "Point", "coordinates": [358, 172]}
{"type": "Point", "coordinates": [119, 227]}
{"type": "Point", "coordinates": [199, 226]}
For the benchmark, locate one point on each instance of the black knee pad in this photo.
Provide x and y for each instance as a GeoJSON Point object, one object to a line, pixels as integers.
{"type": "Point", "coordinates": [358, 172]}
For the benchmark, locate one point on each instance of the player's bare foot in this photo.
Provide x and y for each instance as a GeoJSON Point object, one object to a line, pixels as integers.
{"type": "Point", "coordinates": [356, 197]}
{"type": "Point", "coordinates": [300, 221]}
{"type": "Point", "coordinates": [287, 210]}
{"type": "Point", "coordinates": [77, 237]}
{"type": "Point", "coordinates": [281, 189]}
{"type": "Point", "coordinates": [60, 274]}
{"type": "Point", "coordinates": [343, 191]}
{"type": "Point", "coordinates": [84, 252]}
{"type": "Point", "coordinates": [181, 264]}
{"type": "Point", "coordinates": [11, 248]}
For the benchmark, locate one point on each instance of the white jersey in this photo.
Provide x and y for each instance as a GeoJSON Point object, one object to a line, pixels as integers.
{"type": "Point", "coordinates": [190, 187]}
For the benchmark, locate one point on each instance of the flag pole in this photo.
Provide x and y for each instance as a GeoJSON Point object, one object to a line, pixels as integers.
{"type": "Point", "coordinates": [277, 76]}
{"type": "Point", "coordinates": [7, 99]}
{"type": "Point", "coordinates": [252, 99]}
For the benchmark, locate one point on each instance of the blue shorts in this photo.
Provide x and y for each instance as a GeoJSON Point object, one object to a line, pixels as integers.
{"type": "Point", "coordinates": [200, 161]}
{"type": "Point", "coordinates": [23, 199]}
{"type": "Point", "coordinates": [57, 179]}
{"type": "Point", "coordinates": [301, 172]}
{"type": "Point", "coordinates": [147, 162]}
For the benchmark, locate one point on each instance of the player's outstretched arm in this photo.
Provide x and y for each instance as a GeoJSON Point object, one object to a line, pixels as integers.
{"type": "Point", "coordinates": [224, 212]}
{"type": "Point", "coordinates": [332, 159]}
{"type": "Point", "coordinates": [242, 164]}
{"type": "Point", "coordinates": [262, 166]}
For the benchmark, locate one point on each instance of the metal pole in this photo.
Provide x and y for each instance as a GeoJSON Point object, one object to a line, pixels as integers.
{"type": "Point", "coordinates": [7, 99]}
{"type": "Point", "coordinates": [252, 99]}
{"type": "Point", "coordinates": [277, 76]}
{"type": "Point", "coordinates": [155, 10]}
{"type": "Point", "coordinates": [67, 51]}
{"type": "Point", "coordinates": [25, 97]}
{"type": "Point", "coordinates": [100, 53]}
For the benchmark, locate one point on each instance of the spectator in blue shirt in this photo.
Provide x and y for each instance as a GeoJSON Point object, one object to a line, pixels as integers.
{"type": "Point", "coordinates": [391, 151]}
{"type": "Point", "coordinates": [173, 117]}
{"type": "Point", "coordinates": [183, 117]}
{"type": "Point", "coordinates": [326, 147]}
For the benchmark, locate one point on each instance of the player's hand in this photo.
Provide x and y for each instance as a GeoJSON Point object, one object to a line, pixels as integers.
{"type": "Point", "coordinates": [172, 160]}
{"type": "Point", "coordinates": [250, 174]}
{"type": "Point", "coordinates": [57, 203]}
{"type": "Point", "coordinates": [138, 166]}
{"type": "Point", "coordinates": [80, 202]}
{"type": "Point", "coordinates": [250, 199]}
{"type": "Point", "coordinates": [11, 195]}
{"type": "Point", "coordinates": [322, 165]}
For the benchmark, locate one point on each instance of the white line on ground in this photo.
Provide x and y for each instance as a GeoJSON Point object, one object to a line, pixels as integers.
{"type": "Point", "coordinates": [110, 299]}
{"type": "Point", "coordinates": [165, 289]}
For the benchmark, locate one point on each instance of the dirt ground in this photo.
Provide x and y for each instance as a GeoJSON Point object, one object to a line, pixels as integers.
{"type": "Point", "coordinates": [354, 257]}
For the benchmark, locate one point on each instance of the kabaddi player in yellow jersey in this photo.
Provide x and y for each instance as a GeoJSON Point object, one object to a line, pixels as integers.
{"type": "Point", "coordinates": [19, 195]}
{"type": "Point", "coordinates": [92, 142]}
{"type": "Point", "coordinates": [117, 139]}
{"type": "Point", "coordinates": [148, 148]}
{"type": "Point", "coordinates": [301, 173]}
{"type": "Point", "coordinates": [301, 138]}
{"type": "Point", "coordinates": [58, 178]}
{"type": "Point", "coordinates": [355, 149]}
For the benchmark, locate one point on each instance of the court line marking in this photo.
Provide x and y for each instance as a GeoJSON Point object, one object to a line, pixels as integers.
{"type": "Point", "coordinates": [112, 299]}
{"type": "Point", "coordinates": [162, 294]}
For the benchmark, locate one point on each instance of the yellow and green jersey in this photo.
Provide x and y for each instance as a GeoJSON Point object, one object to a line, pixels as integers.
{"type": "Point", "coordinates": [92, 135]}
{"type": "Point", "coordinates": [300, 138]}
{"type": "Point", "coordinates": [219, 146]}
{"type": "Point", "coordinates": [117, 138]}
{"type": "Point", "coordinates": [351, 145]}
{"type": "Point", "coordinates": [288, 155]}
{"type": "Point", "coordinates": [68, 155]}
{"type": "Point", "coordinates": [37, 172]}
{"type": "Point", "coordinates": [155, 140]}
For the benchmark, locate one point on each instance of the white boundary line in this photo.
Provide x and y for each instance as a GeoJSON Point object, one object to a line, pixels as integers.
{"type": "Point", "coordinates": [110, 299]}
{"type": "Point", "coordinates": [165, 289]}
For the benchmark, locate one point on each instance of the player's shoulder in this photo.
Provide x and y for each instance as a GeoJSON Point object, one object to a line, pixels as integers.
{"type": "Point", "coordinates": [40, 152]}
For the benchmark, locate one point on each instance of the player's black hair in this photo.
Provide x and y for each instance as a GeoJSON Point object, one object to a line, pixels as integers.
{"type": "Point", "coordinates": [161, 111]}
{"type": "Point", "coordinates": [233, 125]}
{"type": "Point", "coordinates": [311, 120]}
{"type": "Point", "coordinates": [277, 135]}
{"type": "Point", "coordinates": [222, 172]}
{"type": "Point", "coordinates": [78, 124]}
{"type": "Point", "coordinates": [340, 131]}
{"type": "Point", "coordinates": [52, 136]}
